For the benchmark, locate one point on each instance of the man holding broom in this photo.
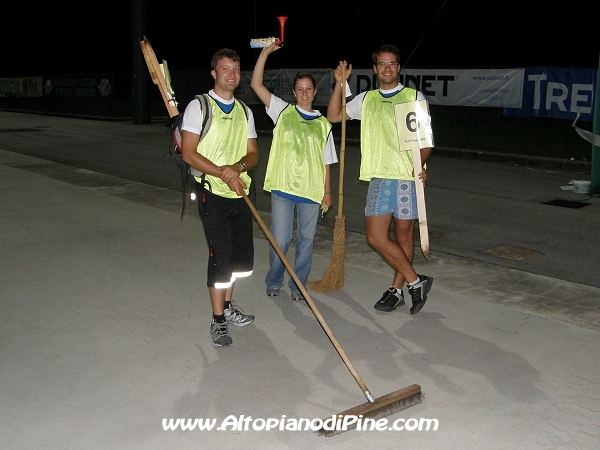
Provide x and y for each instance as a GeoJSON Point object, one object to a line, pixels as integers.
{"type": "Point", "coordinates": [389, 172]}
{"type": "Point", "coordinates": [224, 156]}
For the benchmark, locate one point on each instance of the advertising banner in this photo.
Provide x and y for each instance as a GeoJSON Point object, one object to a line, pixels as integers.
{"type": "Point", "coordinates": [561, 93]}
{"type": "Point", "coordinates": [456, 87]}
{"type": "Point", "coordinates": [281, 82]}
{"type": "Point", "coordinates": [32, 87]}
{"type": "Point", "coordinates": [11, 87]}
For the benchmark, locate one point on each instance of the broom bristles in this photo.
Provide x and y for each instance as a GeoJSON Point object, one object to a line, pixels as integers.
{"type": "Point", "coordinates": [383, 406]}
{"type": "Point", "coordinates": [333, 278]}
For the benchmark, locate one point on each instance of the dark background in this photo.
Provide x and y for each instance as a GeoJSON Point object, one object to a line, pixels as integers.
{"type": "Point", "coordinates": [46, 38]}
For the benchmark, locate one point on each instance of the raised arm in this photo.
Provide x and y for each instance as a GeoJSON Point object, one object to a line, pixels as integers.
{"type": "Point", "coordinates": [257, 82]}
{"type": "Point", "coordinates": [334, 108]}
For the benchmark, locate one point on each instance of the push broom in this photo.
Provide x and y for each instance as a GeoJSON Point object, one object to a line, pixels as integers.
{"type": "Point", "coordinates": [374, 408]}
{"type": "Point", "coordinates": [333, 278]}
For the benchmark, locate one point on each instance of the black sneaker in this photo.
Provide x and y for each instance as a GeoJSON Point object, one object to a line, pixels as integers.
{"type": "Point", "coordinates": [392, 298]}
{"type": "Point", "coordinates": [418, 293]}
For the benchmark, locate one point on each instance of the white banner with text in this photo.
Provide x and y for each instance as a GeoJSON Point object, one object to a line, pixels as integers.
{"type": "Point", "coordinates": [453, 87]}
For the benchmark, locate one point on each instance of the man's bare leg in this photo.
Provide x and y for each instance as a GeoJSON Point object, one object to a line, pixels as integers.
{"type": "Point", "coordinates": [219, 333]}
{"type": "Point", "coordinates": [403, 230]}
{"type": "Point", "coordinates": [377, 229]}
{"type": "Point", "coordinates": [217, 299]}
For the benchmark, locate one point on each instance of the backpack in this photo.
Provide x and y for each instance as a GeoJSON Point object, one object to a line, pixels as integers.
{"type": "Point", "coordinates": [187, 172]}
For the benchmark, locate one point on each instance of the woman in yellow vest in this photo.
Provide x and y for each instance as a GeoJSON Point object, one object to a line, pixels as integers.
{"type": "Point", "coordinates": [297, 174]}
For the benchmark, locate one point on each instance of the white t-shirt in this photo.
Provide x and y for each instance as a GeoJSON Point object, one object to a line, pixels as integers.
{"type": "Point", "coordinates": [354, 107]}
{"type": "Point", "coordinates": [192, 120]}
{"type": "Point", "coordinates": [274, 110]}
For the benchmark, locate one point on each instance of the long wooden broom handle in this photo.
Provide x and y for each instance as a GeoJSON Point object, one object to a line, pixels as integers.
{"type": "Point", "coordinates": [342, 147]}
{"type": "Point", "coordinates": [309, 300]}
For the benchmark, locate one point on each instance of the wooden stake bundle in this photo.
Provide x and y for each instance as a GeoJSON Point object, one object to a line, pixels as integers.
{"type": "Point", "coordinates": [423, 228]}
{"type": "Point", "coordinates": [157, 73]}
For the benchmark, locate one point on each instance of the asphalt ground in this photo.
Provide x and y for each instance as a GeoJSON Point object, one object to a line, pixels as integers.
{"type": "Point", "coordinates": [492, 208]}
{"type": "Point", "coordinates": [104, 315]}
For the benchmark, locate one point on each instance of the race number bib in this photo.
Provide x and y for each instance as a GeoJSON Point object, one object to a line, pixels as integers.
{"type": "Point", "coordinates": [414, 125]}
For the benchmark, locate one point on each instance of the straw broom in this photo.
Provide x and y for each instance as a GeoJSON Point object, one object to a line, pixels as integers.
{"type": "Point", "coordinates": [333, 279]}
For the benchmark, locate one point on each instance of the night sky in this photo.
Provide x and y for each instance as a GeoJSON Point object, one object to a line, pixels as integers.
{"type": "Point", "coordinates": [97, 37]}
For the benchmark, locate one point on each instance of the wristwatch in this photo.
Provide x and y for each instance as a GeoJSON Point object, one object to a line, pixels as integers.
{"type": "Point", "coordinates": [242, 165]}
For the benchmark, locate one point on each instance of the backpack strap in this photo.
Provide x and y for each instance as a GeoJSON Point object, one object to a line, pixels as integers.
{"type": "Point", "coordinates": [206, 113]}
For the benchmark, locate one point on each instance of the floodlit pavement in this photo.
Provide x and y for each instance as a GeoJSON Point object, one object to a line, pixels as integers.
{"type": "Point", "coordinates": [105, 318]}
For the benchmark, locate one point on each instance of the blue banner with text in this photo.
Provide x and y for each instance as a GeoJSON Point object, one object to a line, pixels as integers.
{"type": "Point", "coordinates": [561, 93]}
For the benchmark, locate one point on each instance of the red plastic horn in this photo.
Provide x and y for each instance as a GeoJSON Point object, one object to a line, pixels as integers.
{"type": "Point", "coordinates": [282, 20]}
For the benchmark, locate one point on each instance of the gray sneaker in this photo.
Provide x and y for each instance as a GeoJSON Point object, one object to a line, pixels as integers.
{"type": "Point", "coordinates": [273, 292]}
{"type": "Point", "coordinates": [219, 333]}
{"type": "Point", "coordinates": [297, 296]}
{"type": "Point", "coordinates": [235, 316]}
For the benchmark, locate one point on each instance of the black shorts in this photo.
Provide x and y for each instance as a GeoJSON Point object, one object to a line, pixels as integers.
{"type": "Point", "coordinates": [229, 231]}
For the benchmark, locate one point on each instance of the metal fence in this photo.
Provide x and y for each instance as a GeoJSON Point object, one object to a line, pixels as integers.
{"type": "Point", "coordinates": [479, 129]}
{"type": "Point", "coordinates": [486, 129]}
